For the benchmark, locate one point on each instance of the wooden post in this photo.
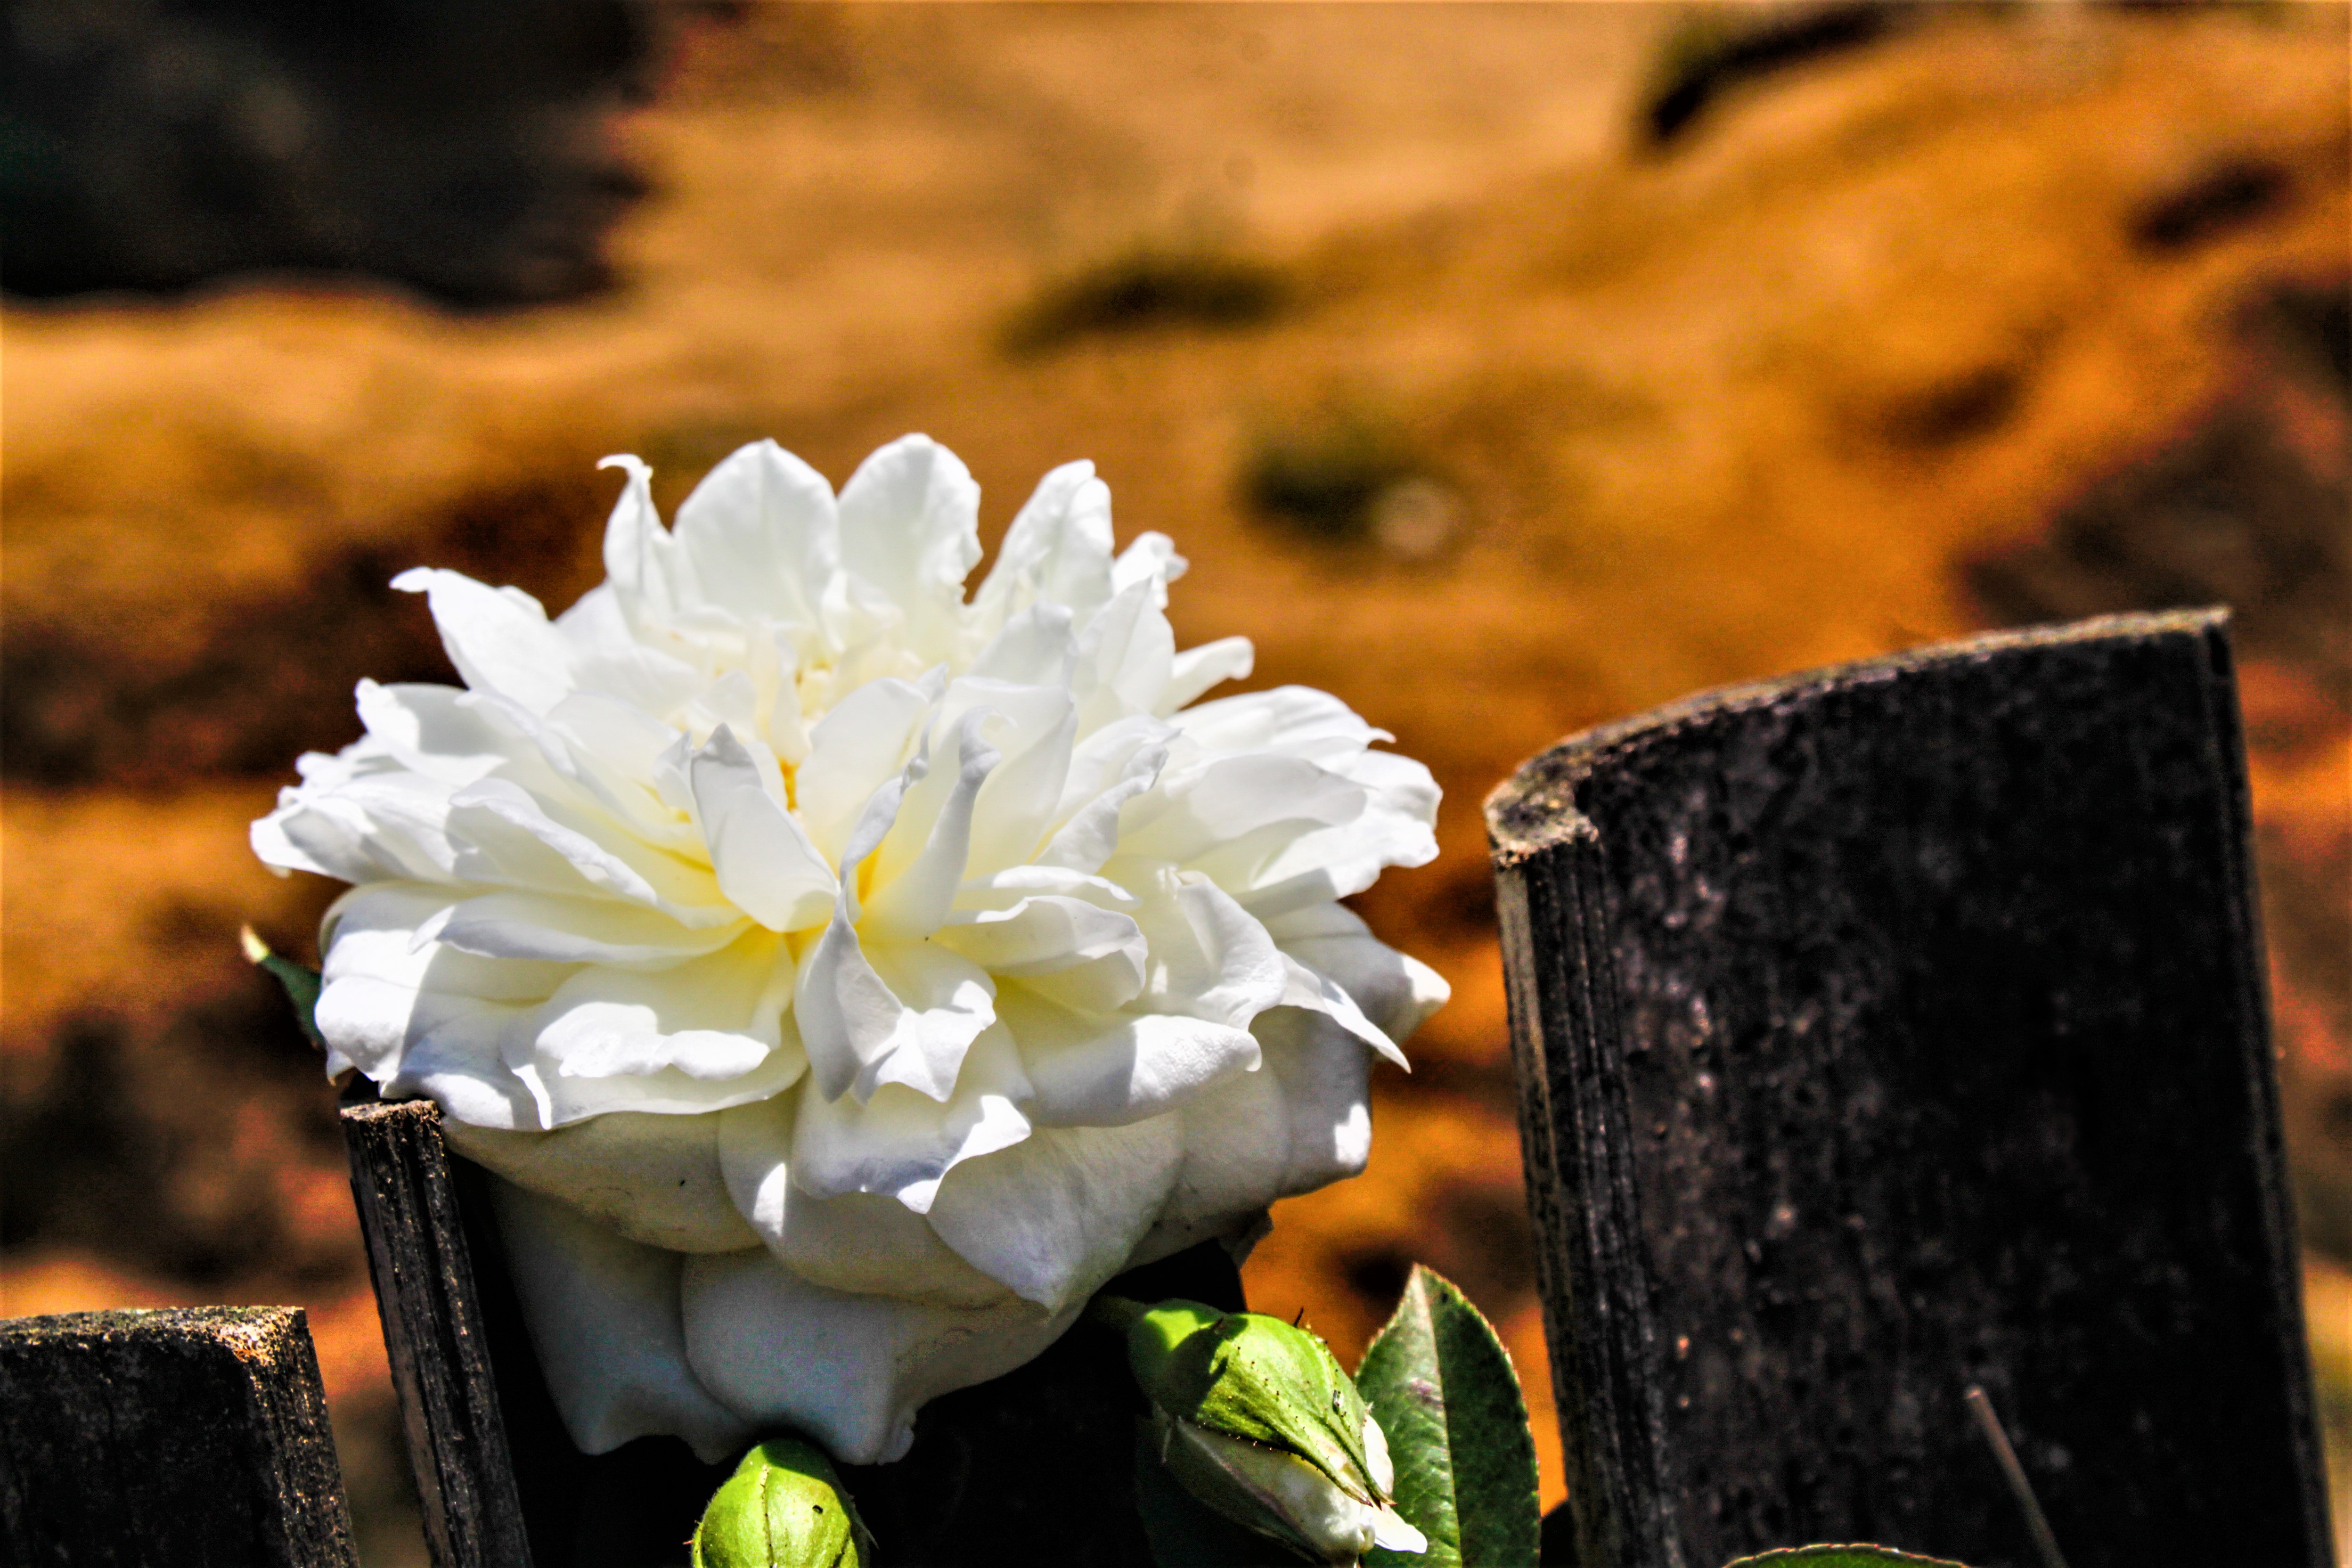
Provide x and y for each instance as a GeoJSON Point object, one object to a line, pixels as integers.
{"type": "Point", "coordinates": [1895, 1029]}
{"type": "Point", "coordinates": [191, 1437]}
{"type": "Point", "coordinates": [434, 1335]}
{"type": "Point", "coordinates": [1035, 1467]}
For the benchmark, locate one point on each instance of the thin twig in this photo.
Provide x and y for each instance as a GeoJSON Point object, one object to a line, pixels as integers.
{"type": "Point", "coordinates": [2038, 1526]}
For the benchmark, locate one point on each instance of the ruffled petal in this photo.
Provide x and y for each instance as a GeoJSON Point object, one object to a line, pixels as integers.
{"type": "Point", "coordinates": [498, 637]}
{"type": "Point", "coordinates": [655, 1179]}
{"type": "Point", "coordinates": [1092, 1070]}
{"type": "Point", "coordinates": [1396, 992]}
{"type": "Point", "coordinates": [764, 536]}
{"type": "Point", "coordinates": [543, 927]}
{"type": "Point", "coordinates": [1058, 551]}
{"type": "Point", "coordinates": [604, 1319]}
{"type": "Point", "coordinates": [1301, 1121]}
{"type": "Point", "coordinates": [764, 861]}
{"type": "Point", "coordinates": [910, 526]}
{"type": "Point", "coordinates": [713, 1019]}
{"type": "Point", "coordinates": [848, 1369]}
{"type": "Point", "coordinates": [858, 1241]}
{"type": "Point", "coordinates": [1195, 670]}
{"type": "Point", "coordinates": [900, 1143]}
{"type": "Point", "coordinates": [1056, 1215]}
{"type": "Point", "coordinates": [651, 582]}
{"type": "Point", "coordinates": [854, 750]}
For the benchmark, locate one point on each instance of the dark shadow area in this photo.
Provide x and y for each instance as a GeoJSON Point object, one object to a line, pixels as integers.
{"type": "Point", "coordinates": [2218, 199]}
{"type": "Point", "coordinates": [1143, 288]}
{"type": "Point", "coordinates": [1717, 49]}
{"type": "Point", "coordinates": [460, 149]}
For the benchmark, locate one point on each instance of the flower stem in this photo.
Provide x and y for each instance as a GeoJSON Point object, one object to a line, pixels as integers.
{"type": "Point", "coordinates": [1116, 1314]}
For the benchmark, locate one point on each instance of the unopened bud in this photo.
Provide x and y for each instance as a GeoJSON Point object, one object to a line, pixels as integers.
{"type": "Point", "coordinates": [1255, 1419]}
{"type": "Point", "coordinates": [782, 1508]}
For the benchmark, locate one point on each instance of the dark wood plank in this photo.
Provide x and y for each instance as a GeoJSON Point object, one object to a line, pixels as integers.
{"type": "Point", "coordinates": [433, 1334]}
{"type": "Point", "coordinates": [185, 1438]}
{"type": "Point", "coordinates": [1895, 1028]}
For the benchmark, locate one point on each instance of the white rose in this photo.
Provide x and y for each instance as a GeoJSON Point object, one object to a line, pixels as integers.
{"type": "Point", "coordinates": [846, 979]}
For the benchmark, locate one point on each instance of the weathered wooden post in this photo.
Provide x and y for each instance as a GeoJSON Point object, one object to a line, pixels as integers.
{"type": "Point", "coordinates": [1895, 1029]}
{"type": "Point", "coordinates": [1033, 1468]}
{"type": "Point", "coordinates": [185, 1438]}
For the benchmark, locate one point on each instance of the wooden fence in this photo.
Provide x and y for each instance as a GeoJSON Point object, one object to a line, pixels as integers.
{"type": "Point", "coordinates": [1901, 1135]}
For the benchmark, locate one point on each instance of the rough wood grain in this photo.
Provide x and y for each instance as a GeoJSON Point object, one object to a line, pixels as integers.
{"type": "Point", "coordinates": [1898, 1028]}
{"type": "Point", "coordinates": [433, 1334]}
{"type": "Point", "coordinates": [183, 1438]}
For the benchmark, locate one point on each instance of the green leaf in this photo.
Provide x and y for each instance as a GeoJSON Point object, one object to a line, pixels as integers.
{"type": "Point", "coordinates": [1841, 1557]}
{"type": "Point", "coordinates": [301, 984]}
{"type": "Point", "coordinates": [1187, 1533]}
{"type": "Point", "coordinates": [1441, 1388]}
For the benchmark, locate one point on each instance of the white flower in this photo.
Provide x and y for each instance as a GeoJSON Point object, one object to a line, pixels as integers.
{"type": "Point", "coordinates": [846, 979]}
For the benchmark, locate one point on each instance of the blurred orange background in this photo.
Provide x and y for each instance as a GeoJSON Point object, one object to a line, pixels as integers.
{"type": "Point", "coordinates": [1504, 369]}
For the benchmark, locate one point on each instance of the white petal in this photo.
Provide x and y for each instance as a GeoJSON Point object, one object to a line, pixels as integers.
{"type": "Point", "coordinates": [920, 862]}
{"type": "Point", "coordinates": [1035, 648]}
{"type": "Point", "coordinates": [367, 828]}
{"type": "Point", "coordinates": [899, 1013]}
{"type": "Point", "coordinates": [1197, 669]}
{"type": "Point", "coordinates": [1396, 992]}
{"type": "Point", "coordinates": [1210, 958]}
{"type": "Point", "coordinates": [504, 835]}
{"type": "Point", "coordinates": [1389, 1529]}
{"type": "Point", "coordinates": [850, 1371]}
{"type": "Point", "coordinates": [606, 656]}
{"type": "Point", "coordinates": [1110, 767]}
{"type": "Point", "coordinates": [434, 731]}
{"type": "Point", "coordinates": [1126, 654]}
{"type": "Point", "coordinates": [1228, 816]}
{"type": "Point", "coordinates": [714, 1018]}
{"type": "Point", "coordinates": [605, 1318]}
{"type": "Point", "coordinates": [577, 931]}
{"type": "Point", "coordinates": [1105, 1072]}
{"type": "Point", "coordinates": [1312, 989]}
{"type": "Point", "coordinates": [763, 535]}
{"type": "Point", "coordinates": [498, 637]}
{"type": "Point", "coordinates": [910, 526]}
{"type": "Point", "coordinates": [763, 859]}
{"type": "Point", "coordinates": [1377, 1463]}
{"type": "Point", "coordinates": [857, 1241]}
{"type": "Point", "coordinates": [655, 1179]}
{"type": "Point", "coordinates": [1301, 1121]}
{"type": "Point", "coordinates": [900, 1142]}
{"type": "Point", "coordinates": [1290, 721]}
{"type": "Point", "coordinates": [1046, 934]}
{"type": "Point", "coordinates": [650, 582]}
{"type": "Point", "coordinates": [854, 750]}
{"type": "Point", "coordinates": [1058, 551]}
{"type": "Point", "coordinates": [423, 1019]}
{"type": "Point", "coordinates": [1056, 1215]}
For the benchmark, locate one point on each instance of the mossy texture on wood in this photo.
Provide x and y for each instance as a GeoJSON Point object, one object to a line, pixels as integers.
{"type": "Point", "coordinates": [191, 1437]}
{"type": "Point", "coordinates": [1896, 1029]}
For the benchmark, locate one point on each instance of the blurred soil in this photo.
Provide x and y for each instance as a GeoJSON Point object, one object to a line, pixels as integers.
{"type": "Point", "coordinates": [1471, 397]}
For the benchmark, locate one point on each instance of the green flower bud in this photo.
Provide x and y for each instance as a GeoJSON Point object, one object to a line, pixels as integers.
{"type": "Point", "coordinates": [1255, 1419]}
{"type": "Point", "coordinates": [782, 1508]}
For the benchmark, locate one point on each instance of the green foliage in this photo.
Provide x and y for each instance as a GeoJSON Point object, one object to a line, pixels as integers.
{"type": "Point", "coordinates": [301, 984]}
{"type": "Point", "coordinates": [1841, 1557]}
{"type": "Point", "coordinates": [782, 1508]}
{"type": "Point", "coordinates": [1441, 1387]}
{"type": "Point", "coordinates": [1246, 1375]}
